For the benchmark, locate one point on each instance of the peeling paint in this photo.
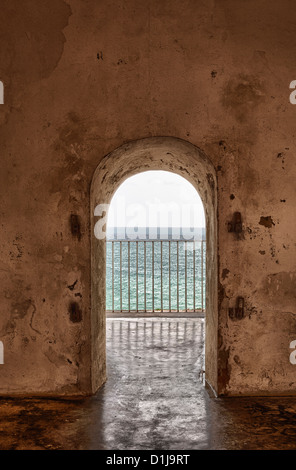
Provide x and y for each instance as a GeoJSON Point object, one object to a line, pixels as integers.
{"type": "Point", "coordinates": [266, 221]}
{"type": "Point", "coordinates": [225, 273]}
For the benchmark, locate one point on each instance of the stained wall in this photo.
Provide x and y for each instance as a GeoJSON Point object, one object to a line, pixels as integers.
{"type": "Point", "coordinates": [84, 77]}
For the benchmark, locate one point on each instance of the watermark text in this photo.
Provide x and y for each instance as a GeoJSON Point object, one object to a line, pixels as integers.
{"type": "Point", "coordinates": [1, 353]}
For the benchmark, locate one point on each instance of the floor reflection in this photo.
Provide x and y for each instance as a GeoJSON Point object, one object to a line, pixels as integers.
{"type": "Point", "coordinates": [155, 383]}
{"type": "Point", "coordinates": [154, 399]}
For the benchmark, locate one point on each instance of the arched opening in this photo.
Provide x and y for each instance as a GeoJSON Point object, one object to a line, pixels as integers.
{"type": "Point", "coordinates": [155, 248]}
{"type": "Point", "coordinates": [157, 153]}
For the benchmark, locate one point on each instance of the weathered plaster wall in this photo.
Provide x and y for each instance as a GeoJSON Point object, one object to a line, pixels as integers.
{"type": "Point", "coordinates": [83, 77]}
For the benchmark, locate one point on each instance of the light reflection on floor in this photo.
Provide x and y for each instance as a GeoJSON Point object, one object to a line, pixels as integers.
{"type": "Point", "coordinates": [154, 399]}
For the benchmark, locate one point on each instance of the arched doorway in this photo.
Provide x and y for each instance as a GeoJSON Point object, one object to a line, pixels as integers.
{"type": "Point", "coordinates": [156, 153]}
{"type": "Point", "coordinates": [155, 248]}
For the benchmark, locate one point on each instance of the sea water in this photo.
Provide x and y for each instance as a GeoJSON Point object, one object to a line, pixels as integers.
{"type": "Point", "coordinates": [175, 282]}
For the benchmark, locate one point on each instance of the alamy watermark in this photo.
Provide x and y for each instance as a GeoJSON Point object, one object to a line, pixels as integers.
{"type": "Point", "coordinates": [293, 353]}
{"type": "Point", "coordinates": [167, 220]}
{"type": "Point", "coordinates": [1, 93]}
{"type": "Point", "coordinates": [293, 94]}
{"type": "Point", "coordinates": [1, 353]}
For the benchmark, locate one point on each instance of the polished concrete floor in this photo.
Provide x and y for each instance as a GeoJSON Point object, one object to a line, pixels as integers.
{"type": "Point", "coordinates": [154, 399]}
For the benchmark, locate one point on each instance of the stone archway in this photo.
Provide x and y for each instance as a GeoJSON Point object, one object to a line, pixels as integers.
{"type": "Point", "coordinates": [155, 153]}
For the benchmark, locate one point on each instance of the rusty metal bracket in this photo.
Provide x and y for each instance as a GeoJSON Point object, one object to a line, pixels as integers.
{"type": "Point", "coordinates": [236, 224]}
{"type": "Point", "coordinates": [238, 311]}
{"type": "Point", "coordinates": [75, 226]}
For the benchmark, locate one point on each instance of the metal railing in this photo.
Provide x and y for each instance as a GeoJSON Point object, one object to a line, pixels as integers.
{"type": "Point", "coordinates": [145, 276]}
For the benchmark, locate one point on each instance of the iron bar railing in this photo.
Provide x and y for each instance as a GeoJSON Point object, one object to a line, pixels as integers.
{"type": "Point", "coordinates": [144, 276]}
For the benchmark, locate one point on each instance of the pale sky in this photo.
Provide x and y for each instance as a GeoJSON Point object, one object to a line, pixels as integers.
{"type": "Point", "coordinates": [156, 198]}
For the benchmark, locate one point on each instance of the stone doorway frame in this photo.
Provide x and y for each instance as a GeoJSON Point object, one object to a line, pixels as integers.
{"type": "Point", "coordinates": [153, 153]}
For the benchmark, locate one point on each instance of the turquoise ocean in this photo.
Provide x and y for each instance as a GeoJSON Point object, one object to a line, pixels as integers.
{"type": "Point", "coordinates": [181, 283]}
